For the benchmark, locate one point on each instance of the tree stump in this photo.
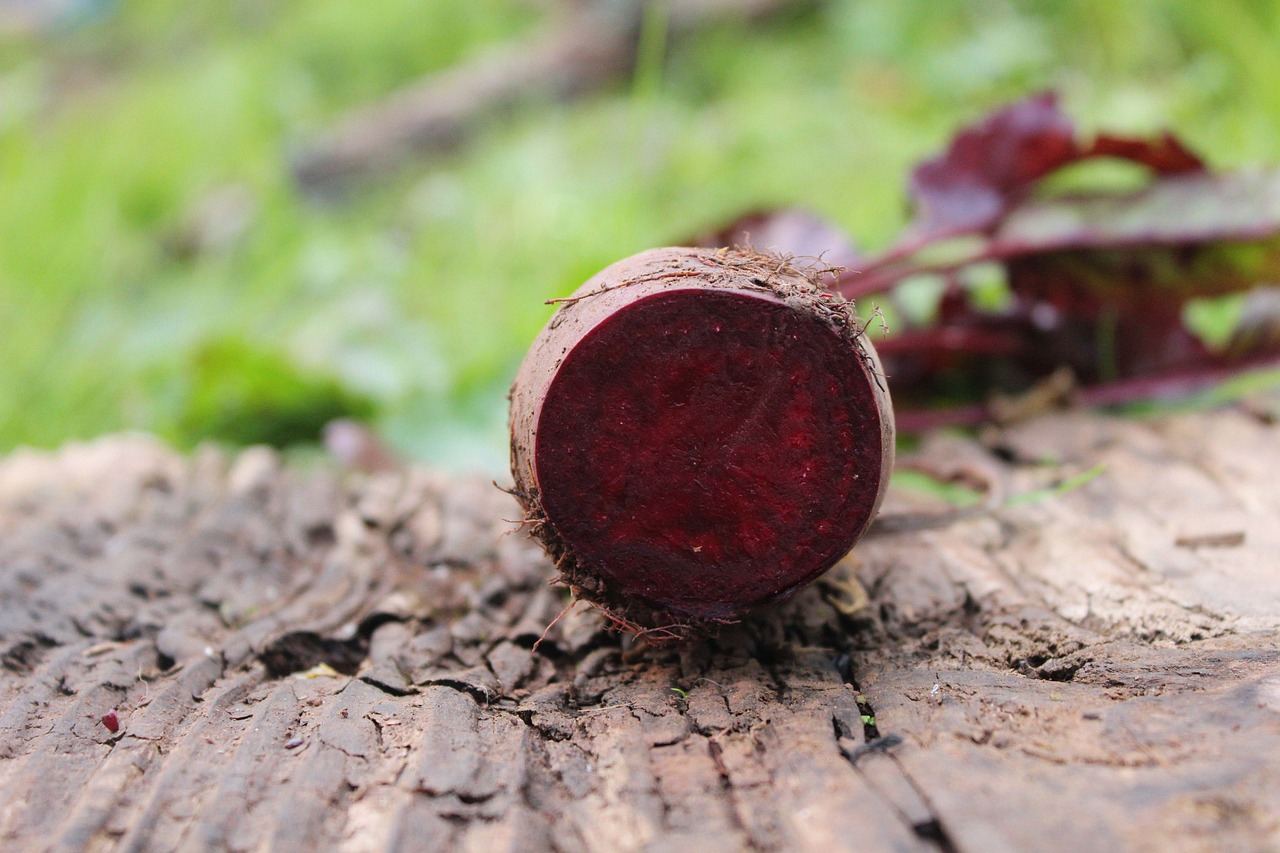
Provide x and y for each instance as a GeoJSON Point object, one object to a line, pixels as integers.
{"type": "Point", "coordinates": [302, 659]}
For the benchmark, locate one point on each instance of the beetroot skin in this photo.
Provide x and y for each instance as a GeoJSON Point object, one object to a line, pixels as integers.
{"type": "Point", "coordinates": [696, 434]}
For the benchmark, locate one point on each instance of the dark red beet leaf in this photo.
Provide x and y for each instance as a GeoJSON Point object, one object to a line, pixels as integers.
{"type": "Point", "coordinates": [696, 434]}
{"type": "Point", "coordinates": [991, 167]}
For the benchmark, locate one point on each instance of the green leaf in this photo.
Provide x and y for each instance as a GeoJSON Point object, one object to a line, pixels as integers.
{"type": "Point", "coordinates": [1068, 485]}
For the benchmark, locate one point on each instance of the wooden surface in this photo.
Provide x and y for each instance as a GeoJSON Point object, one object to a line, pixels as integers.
{"type": "Point", "coordinates": [1096, 670]}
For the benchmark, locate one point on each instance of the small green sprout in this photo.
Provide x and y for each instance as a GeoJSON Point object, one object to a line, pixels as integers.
{"type": "Point", "coordinates": [684, 696]}
{"type": "Point", "coordinates": [1067, 485]}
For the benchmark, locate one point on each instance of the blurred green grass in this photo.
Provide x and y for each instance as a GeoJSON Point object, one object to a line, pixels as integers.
{"type": "Point", "coordinates": [419, 294]}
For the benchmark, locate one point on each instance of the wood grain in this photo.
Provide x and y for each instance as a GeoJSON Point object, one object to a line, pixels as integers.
{"type": "Point", "coordinates": [303, 659]}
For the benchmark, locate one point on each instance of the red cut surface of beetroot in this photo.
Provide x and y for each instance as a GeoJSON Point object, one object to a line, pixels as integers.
{"type": "Point", "coordinates": [697, 434]}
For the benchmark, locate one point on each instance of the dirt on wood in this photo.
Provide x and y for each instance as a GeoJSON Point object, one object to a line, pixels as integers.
{"type": "Point", "coordinates": [299, 659]}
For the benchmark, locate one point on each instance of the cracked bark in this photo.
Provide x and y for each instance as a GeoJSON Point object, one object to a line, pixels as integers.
{"type": "Point", "coordinates": [1067, 674]}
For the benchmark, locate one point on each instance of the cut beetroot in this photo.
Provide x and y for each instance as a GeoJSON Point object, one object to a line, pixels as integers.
{"type": "Point", "coordinates": [696, 434]}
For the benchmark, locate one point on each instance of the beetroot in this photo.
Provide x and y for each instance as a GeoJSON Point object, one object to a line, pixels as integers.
{"type": "Point", "coordinates": [699, 433]}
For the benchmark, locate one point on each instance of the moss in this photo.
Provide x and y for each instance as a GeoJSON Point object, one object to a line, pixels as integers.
{"type": "Point", "coordinates": [241, 394]}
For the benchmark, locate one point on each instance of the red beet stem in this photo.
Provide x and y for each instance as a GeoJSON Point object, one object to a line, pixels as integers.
{"type": "Point", "coordinates": [696, 434]}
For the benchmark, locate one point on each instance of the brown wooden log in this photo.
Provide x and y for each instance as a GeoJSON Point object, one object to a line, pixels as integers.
{"type": "Point", "coordinates": [303, 660]}
{"type": "Point", "coordinates": [583, 49]}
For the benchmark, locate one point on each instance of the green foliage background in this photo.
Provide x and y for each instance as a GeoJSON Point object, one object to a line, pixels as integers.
{"type": "Point", "coordinates": [412, 301]}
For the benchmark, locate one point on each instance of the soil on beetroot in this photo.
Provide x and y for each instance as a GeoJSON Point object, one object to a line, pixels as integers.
{"type": "Point", "coordinates": [697, 434]}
